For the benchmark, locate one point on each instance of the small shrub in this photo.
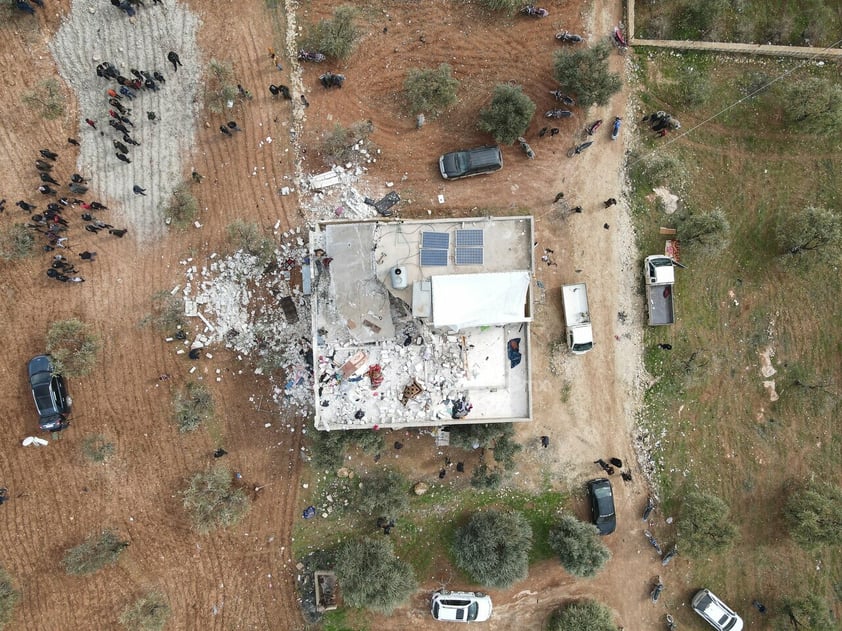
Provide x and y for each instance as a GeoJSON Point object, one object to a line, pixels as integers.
{"type": "Point", "coordinates": [212, 500]}
{"type": "Point", "coordinates": [585, 614]}
{"type": "Point", "coordinates": [578, 546]}
{"type": "Point", "coordinates": [16, 242]}
{"type": "Point", "coordinates": [337, 145]}
{"type": "Point", "coordinates": [73, 347]}
{"type": "Point", "coordinates": [430, 91]}
{"type": "Point", "coordinates": [220, 88]}
{"type": "Point", "coordinates": [371, 576]}
{"type": "Point", "coordinates": [167, 313]}
{"type": "Point", "coordinates": [246, 236]}
{"type": "Point", "coordinates": [9, 598]}
{"type": "Point", "coordinates": [193, 407]}
{"type": "Point", "coordinates": [493, 547]}
{"type": "Point", "coordinates": [383, 493]}
{"type": "Point", "coordinates": [505, 449]}
{"type": "Point", "coordinates": [183, 207]}
{"type": "Point", "coordinates": [335, 37]}
{"type": "Point", "coordinates": [94, 553]}
{"type": "Point", "coordinates": [150, 612]}
{"type": "Point", "coordinates": [97, 448]}
{"type": "Point", "coordinates": [47, 98]}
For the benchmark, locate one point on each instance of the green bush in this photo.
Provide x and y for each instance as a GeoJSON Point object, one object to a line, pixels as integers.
{"type": "Point", "coordinates": [97, 448]}
{"type": "Point", "coordinates": [430, 91]}
{"type": "Point", "coordinates": [94, 553]}
{"type": "Point", "coordinates": [47, 98]}
{"type": "Point", "coordinates": [16, 242]}
{"type": "Point", "coordinates": [479, 434]}
{"type": "Point", "coordinates": [167, 313]}
{"type": "Point", "coordinates": [335, 37]}
{"type": "Point", "coordinates": [150, 612]}
{"type": "Point", "coordinates": [578, 546]}
{"type": "Point", "coordinates": [508, 114]}
{"type": "Point", "coordinates": [383, 493]}
{"type": "Point", "coordinates": [9, 598]}
{"type": "Point", "coordinates": [73, 346]}
{"type": "Point", "coordinates": [581, 615]}
{"type": "Point", "coordinates": [371, 576]}
{"type": "Point", "coordinates": [183, 207]}
{"type": "Point", "coordinates": [505, 449]}
{"type": "Point", "coordinates": [247, 236]}
{"type": "Point", "coordinates": [814, 515]}
{"type": "Point", "coordinates": [193, 407]}
{"type": "Point", "coordinates": [212, 501]}
{"type": "Point", "coordinates": [703, 525]}
{"type": "Point", "coordinates": [585, 73]}
{"type": "Point", "coordinates": [493, 547]}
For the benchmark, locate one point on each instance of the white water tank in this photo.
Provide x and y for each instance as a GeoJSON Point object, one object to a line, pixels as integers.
{"type": "Point", "coordinates": [398, 275]}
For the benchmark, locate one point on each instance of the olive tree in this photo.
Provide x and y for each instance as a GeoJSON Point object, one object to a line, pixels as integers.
{"type": "Point", "coordinates": [810, 613]}
{"type": "Point", "coordinates": [814, 515]}
{"type": "Point", "coordinates": [703, 525]}
{"type": "Point", "coordinates": [16, 242]}
{"type": "Point", "coordinates": [508, 114]}
{"type": "Point", "coordinates": [9, 598]}
{"type": "Point", "coordinates": [707, 232]}
{"type": "Point", "coordinates": [816, 232]}
{"type": "Point", "coordinates": [430, 91]}
{"type": "Point", "coordinates": [814, 105]}
{"type": "Point", "coordinates": [493, 547]}
{"type": "Point", "coordinates": [583, 614]}
{"type": "Point", "coordinates": [578, 546]}
{"type": "Point", "coordinates": [335, 37]}
{"type": "Point", "coordinates": [213, 501]}
{"type": "Point", "coordinates": [73, 346]}
{"type": "Point", "coordinates": [372, 576]}
{"type": "Point", "coordinates": [94, 553]}
{"type": "Point", "coordinates": [585, 73]}
{"type": "Point", "coordinates": [383, 493]}
{"type": "Point", "coordinates": [150, 612]}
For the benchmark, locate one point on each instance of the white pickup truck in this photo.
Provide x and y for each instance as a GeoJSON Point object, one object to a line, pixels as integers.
{"type": "Point", "coordinates": [659, 271]}
{"type": "Point", "coordinates": [577, 318]}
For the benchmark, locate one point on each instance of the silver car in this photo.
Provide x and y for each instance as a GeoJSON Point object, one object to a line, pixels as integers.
{"type": "Point", "coordinates": [718, 615]}
{"type": "Point", "coordinates": [461, 606]}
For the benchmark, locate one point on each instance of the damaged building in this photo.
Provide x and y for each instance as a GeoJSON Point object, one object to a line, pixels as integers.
{"type": "Point", "coordinates": [421, 323]}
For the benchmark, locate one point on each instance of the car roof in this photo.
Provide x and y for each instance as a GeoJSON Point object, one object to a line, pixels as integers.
{"type": "Point", "coordinates": [40, 364]}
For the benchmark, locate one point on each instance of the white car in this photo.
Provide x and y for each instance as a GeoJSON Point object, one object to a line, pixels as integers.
{"type": "Point", "coordinates": [461, 606]}
{"type": "Point", "coordinates": [718, 615]}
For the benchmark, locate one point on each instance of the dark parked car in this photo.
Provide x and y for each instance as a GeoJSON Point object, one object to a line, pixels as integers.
{"type": "Point", "coordinates": [470, 162]}
{"type": "Point", "coordinates": [602, 505]}
{"type": "Point", "coordinates": [50, 394]}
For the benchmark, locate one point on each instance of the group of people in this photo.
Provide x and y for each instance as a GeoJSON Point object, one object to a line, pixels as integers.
{"type": "Point", "coordinates": [53, 222]}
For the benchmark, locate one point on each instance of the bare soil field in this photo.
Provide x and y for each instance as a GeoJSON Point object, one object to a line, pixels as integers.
{"type": "Point", "coordinates": [242, 578]}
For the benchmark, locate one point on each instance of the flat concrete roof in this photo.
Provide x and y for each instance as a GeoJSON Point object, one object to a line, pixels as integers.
{"type": "Point", "coordinates": [361, 318]}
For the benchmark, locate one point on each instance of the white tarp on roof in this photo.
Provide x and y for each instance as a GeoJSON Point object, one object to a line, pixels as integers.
{"type": "Point", "coordinates": [466, 300]}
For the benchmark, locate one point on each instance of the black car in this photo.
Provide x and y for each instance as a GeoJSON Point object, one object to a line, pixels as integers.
{"type": "Point", "coordinates": [50, 394]}
{"type": "Point", "coordinates": [602, 505]}
{"type": "Point", "coordinates": [468, 162]}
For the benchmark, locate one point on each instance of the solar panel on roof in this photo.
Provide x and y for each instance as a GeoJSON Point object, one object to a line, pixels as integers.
{"type": "Point", "coordinates": [437, 240]}
{"type": "Point", "coordinates": [434, 258]}
{"type": "Point", "coordinates": [469, 256]}
{"type": "Point", "coordinates": [469, 238]}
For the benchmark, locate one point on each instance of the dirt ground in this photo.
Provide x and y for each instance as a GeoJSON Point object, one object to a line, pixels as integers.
{"type": "Point", "coordinates": [242, 578]}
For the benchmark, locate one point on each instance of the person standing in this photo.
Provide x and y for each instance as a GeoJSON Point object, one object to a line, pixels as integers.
{"type": "Point", "coordinates": [172, 56]}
